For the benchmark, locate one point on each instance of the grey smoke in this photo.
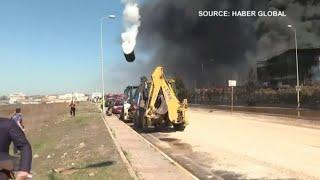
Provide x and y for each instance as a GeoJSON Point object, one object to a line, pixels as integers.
{"type": "Point", "coordinates": [275, 37]}
{"type": "Point", "coordinates": [178, 39]}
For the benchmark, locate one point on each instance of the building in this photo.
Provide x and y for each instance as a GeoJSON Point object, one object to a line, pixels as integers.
{"type": "Point", "coordinates": [96, 95]}
{"type": "Point", "coordinates": [281, 69]}
{"type": "Point", "coordinates": [73, 96]}
{"type": "Point", "coordinates": [17, 98]}
{"type": "Point", "coordinates": [28, 101]}
{"type": "Point", "coordinates": [48, 99]}
{"type": "Point", "coordinates": [80, 97]}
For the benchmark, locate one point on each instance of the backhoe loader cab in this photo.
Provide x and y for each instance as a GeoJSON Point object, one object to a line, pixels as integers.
{"type": "Point", "coordinates": [129, 103]}
{"type": "Point", "coordinates": [158, 104]}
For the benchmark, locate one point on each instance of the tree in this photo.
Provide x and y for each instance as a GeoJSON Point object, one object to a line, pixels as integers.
{"type": "Point", "coordinates": [143, 79]}
{"type": "Point", "coordinates": [251, 87]}
{"type": "Point", "coordinates": [181, 90]}
{"type": "Point", "coordinates": [3, 98]}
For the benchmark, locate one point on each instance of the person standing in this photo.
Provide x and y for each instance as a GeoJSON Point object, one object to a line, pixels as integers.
{"type": "Point", "coordinates": [72, 108]}
{"type": "Point", "coordinates": [17, 118]}
{"type": "Point", "coordinates": [11, 132]}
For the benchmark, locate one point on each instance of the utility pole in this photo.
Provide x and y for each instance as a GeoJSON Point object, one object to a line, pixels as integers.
{"type": "Point", "coordinates": [298, 88]}
{"type": "Point", "coordinates": [232, 99]}
{"type": "Point", "coordinates": [102, 60]}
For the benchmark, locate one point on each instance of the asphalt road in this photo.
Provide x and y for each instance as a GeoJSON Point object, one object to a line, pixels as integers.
{"type": "Point", "coordinates": [303, 113]}
{"type": "Point", "coordinates": [218, 144]}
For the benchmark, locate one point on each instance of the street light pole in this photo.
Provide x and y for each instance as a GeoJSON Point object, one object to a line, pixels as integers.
{"type": "Point", "coordinates": [102, 60]}
{"type": "Point", "coordinates": [202, 67]}
{"type": "Point", "coordinates": [297, 66]}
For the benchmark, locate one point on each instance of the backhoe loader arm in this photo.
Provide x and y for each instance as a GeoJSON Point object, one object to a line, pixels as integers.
{"type": "Point", "coordinates": [159, 83]}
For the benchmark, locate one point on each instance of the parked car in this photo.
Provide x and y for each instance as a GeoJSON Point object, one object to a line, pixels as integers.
{"type": "Point", "coordinates": [117, 107]}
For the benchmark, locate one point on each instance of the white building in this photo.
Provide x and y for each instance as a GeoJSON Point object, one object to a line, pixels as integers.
{"type": "Point", "coordinates": [16, 98]}
{"type": "Point", "coordinates": [66, 97]}
{"type": "Point", "coordinates": [96, 95]}
{"type": "Point", "coordinates": [80, 97]}
{"type": "Point", "coordinates": [73, 96]}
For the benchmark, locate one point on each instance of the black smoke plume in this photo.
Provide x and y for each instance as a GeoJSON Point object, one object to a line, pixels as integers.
{"type": "Point", "coordinates": [211, 50]}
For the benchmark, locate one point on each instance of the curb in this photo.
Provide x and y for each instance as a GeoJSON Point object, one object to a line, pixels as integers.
{"type": "Point", "coordinates": [126, 161]}
{"type": "Point", "coordinates": [123, 157]}
{"type": "Point", "coordinates": [164, 154]}
{"type": "Point", "coordinates": [167, 157]}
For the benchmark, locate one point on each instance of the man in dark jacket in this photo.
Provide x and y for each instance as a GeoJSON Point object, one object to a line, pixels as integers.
{"type": "Point", "coordinates": [11, 132]}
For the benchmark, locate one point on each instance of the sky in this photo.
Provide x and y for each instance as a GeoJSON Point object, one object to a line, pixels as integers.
{"type": "Point", "coordinates": [53, 47]}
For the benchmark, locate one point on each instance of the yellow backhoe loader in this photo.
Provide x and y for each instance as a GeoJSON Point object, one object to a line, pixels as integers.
{"type": "Point", "coordinates": [158, 105]}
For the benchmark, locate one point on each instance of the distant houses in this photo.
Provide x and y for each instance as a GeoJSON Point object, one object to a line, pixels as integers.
{"type": "Point", "coordinates": [21, 98]}
{"type": "Point", "coordinates": [66, 98]}
{"type": "Point", "coordinates": [74, 96]}
{"type": "Point", "coordinates": [17, 98]}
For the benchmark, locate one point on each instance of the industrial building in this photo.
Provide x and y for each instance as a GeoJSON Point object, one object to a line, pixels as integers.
{"type": "Point", "coordinates": [280, 70]}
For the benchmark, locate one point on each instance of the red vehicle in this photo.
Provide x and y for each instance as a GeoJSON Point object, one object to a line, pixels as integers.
{"type": "Point", "coordinates": [117, 108]}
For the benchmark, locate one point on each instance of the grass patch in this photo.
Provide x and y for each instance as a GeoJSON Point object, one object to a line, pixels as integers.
{"type": "Point", "coordinates": [113, 133]}
{"type": "Point", "coordinates": [82, 120]}
{"type": "Point", "coordinates": [52, 176]}
{"type": "Point", "coordinates": [80, 142]}
{"type": "Point", "coordinates": [38, 146]}
{"type": "Point", "coordinates": [125, 153]}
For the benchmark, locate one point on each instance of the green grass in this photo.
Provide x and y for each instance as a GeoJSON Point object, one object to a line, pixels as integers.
{"type": "Point", "coordinates": [82, 120]}
{"type": "Point", "coordinates": [53, 132]}
{"type": "Point", "coordinates": [52, 176]}
{"type": "Point", "coordinates": [38, 146]}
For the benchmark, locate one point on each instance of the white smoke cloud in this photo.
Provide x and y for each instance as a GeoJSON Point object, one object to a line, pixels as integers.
{"type": "Point", "coordinates": [131, 17]}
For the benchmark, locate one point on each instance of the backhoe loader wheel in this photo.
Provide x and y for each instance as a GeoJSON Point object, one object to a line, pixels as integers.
{"type": "Point", "coordinates": [179, 127]}
{"type": "Point", "coordinates": [140, 118]}
{"type": "Point", "coordinates": [136, 120]}
{"type": "Point", "coordinates": [122, 114]}
{"type": "Point", "coordinates": [144, 123]}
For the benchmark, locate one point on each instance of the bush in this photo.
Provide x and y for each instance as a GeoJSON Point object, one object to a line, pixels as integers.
{"type": "Point", "coordinates": [3, 98]}
{"type": "Point", "coordinates": [182, 92]}
{"type": "Point", "coordinates": [309, 96]}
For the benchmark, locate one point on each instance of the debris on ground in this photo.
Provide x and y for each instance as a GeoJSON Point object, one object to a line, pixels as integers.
{"type": "Point", "coordinates": [65, 171]}
{"type": "Point", "coordinates": [82, 145]}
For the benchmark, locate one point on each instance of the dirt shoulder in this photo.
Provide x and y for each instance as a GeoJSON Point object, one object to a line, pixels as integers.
{"type": "Point", "coordinates": [70, 148]}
